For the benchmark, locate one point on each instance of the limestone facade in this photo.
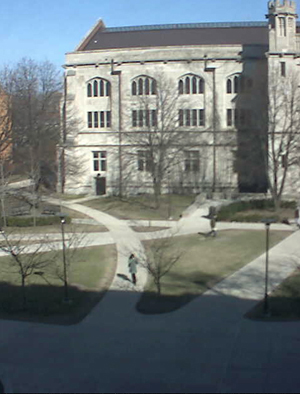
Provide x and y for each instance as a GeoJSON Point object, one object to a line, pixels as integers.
{"type": "Point", "coordinates": [217, 74]}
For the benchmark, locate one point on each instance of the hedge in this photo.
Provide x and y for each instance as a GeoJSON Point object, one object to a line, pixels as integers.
{"type": "Point", "coordinates": [18, 221]}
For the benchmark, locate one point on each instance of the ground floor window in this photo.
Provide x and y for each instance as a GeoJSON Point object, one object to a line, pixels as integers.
{"type": "Point", "coordinates": [144, 161]}
{"type": "Point", "coordinates": [100, 161]}
{"type": "Point", "coordinates": [192, 161]}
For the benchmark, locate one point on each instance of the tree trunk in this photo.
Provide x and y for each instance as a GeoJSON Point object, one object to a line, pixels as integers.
{"type": "Point", "coordinates": [24, 295]}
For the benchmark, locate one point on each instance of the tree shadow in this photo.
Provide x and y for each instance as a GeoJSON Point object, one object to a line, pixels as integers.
{"type": "Point", "coordinates": [46, 304]}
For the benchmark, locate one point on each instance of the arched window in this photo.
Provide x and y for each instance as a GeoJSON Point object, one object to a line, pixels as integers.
{"type": "Point", "coordinates": [133, 88]}
{"type": "Point", "coordinates": [194, 83]}
{"type": "Point", "coordinates": [180, 86]}
{"type": "Point", "coordinates": [147, 86]}
{"type": "Point", "coordinates": [95, 88]}
{"type": "Point", "coordinates": [101, 88]}
{"type": "Point", "coordinates": [98, 87]}
{"type": "Point", "coordinates": [191, 84]}
{"type": "Point", "coordinates": [153, 87]}
{"type": "Point", "coordinates": [141, 86]}
{"type": "Point", "coordinates": [201, 86]}
{"type": "Point", "coordinates": [187, 85]}
{"type": "Point", "coordinates": [229, 86]}
{"type": "Point", "coordinates": [89, 90]}
{"type": "Point", "coordinates": [108, 89]}
{"type": "Point", "coordinates": [236, 84]}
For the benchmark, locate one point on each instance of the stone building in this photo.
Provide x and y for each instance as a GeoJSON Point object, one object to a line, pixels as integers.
{"type": "Point", "coordinates": [204, 86]}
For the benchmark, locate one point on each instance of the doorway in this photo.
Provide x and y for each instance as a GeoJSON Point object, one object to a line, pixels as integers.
{"type": "Point", "coordinates": [100, 185]}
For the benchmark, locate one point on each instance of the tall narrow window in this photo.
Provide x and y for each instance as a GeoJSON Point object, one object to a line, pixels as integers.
{"type": "Point", "coordinates": [181, 117]}
{"type": "Point", "coordinates": [194, 117]}
{"type": "Point", "coordinates": [236, 84]}
{"type": "Point", "coordinates": [194, 85]}
{"type": "Point", "coordinates": [229, 86]}
{"type": "Point", "coordinates": [187, 117]}
{"type": "Point", "coordinates": [201, 117]}
{"type": "Point", "coordinates": [187, 85]}
{"type": "Point", "coordinates": [153, 118]}
{"type": "Point", "coordinates": [102, 120]}
{"type": "Point", "coordinates": [134, 118]}
{"type": "Point", "coordinates": [95, 88]}
{"type": "Point", "coordinates": [90, 120]}
{"type": "Point", "coordinates": [96, 121]}
{"type": "Point", "coordinates": [108, 119]}
{"type": "Point", "coordinates": [153, 87]}
{"type": "Point", "coordinates": [101, 88]}
{"type": "Point", "coordinates": [141, 116]}
{"type": "Point", "coordinates": [89, 90]}
{"type": "Point", "coordinates": [283, 69]}
{"type": "Point", "coordinates": [141, 85]}
{"type": "Point", "coordinates": [201, 86]}
{"type": "Point", "coordinates": [147, 119]}
{"type": "Point", "coordinates": [282, 26]}
{"type": "Point", "coordinates": [108, 89]}
{"type": "Point", "coordinates": [133, 88]}
{"type": "Point", "coordinates": [229, 117]}
{"type": "Point", "coordinates": [147, 86]}
{"type": "Point", "coordinates": [180, 87]}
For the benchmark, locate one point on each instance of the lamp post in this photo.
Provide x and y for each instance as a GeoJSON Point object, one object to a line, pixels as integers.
{"type": "Point", "coordinates": [66, 290]}
{"type": "Point", "coordinates": [267, 223]}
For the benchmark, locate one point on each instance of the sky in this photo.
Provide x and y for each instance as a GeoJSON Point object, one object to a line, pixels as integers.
{"type": "Point", "coordinates": [46, 30]}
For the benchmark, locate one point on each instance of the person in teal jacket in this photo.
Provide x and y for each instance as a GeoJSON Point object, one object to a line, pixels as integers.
{"type": "Point", "coordinates": [132, 265]}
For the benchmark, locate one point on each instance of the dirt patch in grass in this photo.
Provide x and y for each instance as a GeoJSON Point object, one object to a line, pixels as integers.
{"type": "Point", "coordinates": [284, 302]}
{"type": "Point", "coordinates": [204, 262]}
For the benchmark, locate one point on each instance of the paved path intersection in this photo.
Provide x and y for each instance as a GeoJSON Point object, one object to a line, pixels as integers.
{"type": "Point", "coordinates": [206, 346]}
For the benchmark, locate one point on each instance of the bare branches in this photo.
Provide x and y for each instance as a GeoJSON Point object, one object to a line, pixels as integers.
{"type": "Point", "coordinates": [162, 255]}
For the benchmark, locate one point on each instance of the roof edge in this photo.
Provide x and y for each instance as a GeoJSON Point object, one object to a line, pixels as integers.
{"type": "Point", "coordinates": [100, 25]}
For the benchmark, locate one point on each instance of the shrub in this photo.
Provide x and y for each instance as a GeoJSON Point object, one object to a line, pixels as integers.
{"type": "Point", "coordinates": [18, 221]}
{"type": "Point", "coordinates": [230, 212]}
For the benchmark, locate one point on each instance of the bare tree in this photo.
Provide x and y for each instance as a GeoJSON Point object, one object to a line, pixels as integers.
{"type": "Point", "coordinates": [25, 258]}
{"type": "Point", "coordinates": [156, 134]}
{"type": "Point", "coordinates": [284, 129]}
{"type": "Point", "coordinates": [161, 257]}
{"type": "Point", "coordinates": [34, 91]}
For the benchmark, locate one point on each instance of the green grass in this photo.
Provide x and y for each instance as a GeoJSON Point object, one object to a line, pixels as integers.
{"type": "Point", "coordinates": [91, 272]}
{"type": "Point", "coordinates": [256, 210]}
{"type": "Point", "coordinates": [204, 263]}
{"type": "Point", "coordinates": [284, 302]}
{"type": "Point", "coordinates": [142, 207]}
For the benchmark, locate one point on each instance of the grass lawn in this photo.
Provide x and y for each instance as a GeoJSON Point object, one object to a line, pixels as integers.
{"type": "Point", "coordinates": [256, 210]}
{"type": "Point", "coordinates": [284, 302]}
{"type": "Point", "coordinates": [53, 229]}
{"type": "Point", "coordinates": [91, 272]}
{"type": "Point", "coordinates": [203, 263]}
{"type": "Point", "coordinates": [142, 207]}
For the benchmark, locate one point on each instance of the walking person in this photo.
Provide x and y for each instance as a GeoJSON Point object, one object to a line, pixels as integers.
{"type": "Point", "coordinates": [132, 265]}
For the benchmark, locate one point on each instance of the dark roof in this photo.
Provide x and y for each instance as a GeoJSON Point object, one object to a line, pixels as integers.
{"type": "Point", "coordinates": [244, 33]}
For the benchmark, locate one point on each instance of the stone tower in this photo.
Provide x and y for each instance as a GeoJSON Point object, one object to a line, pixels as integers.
{"type": "Point", "coordinates": [282, 26]}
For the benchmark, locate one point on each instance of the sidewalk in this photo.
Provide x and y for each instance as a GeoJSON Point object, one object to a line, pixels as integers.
{"type": "Point", "coordinates": [206, 346]}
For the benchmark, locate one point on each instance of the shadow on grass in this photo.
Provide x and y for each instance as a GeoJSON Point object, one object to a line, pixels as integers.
{"type": "Point", "coordinates": [45, 304]}
{"type": "Point", "coordinates": [175, 294]}
{"type": "Point", "coordinates": [280, 309]}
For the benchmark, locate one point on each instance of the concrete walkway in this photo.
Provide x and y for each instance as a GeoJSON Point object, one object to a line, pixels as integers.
{"type": "Point", "coordinates": [207, 346]}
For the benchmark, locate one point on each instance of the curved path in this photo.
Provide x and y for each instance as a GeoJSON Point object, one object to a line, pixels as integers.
{"type": "Point", "coordinates": [126, 242]}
